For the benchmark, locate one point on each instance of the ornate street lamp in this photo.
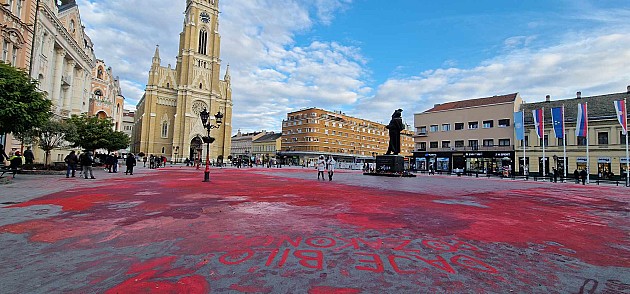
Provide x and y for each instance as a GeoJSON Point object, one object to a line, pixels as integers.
{"type": "Point", "coordinates": [209, 126]}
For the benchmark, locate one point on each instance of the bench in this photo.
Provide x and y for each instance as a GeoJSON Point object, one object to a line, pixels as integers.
{"type": "Point", "coordinates": [6, 169]}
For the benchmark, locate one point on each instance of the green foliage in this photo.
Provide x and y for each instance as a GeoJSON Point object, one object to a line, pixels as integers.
{"type": "Point", "coordinates": [117, 141]}
{"type": "Point", "coordinates": [93, 133]}
{"type": "Point", "coordinates": [52, 135]}
{"type": "Point", "coordinates": [23, 107]}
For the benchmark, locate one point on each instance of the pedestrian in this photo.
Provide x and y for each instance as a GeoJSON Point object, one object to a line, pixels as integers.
{"type": "Point", "coordinates": [321, 167]}
{"type": "Point", "coordinates": [29, 157]}
{"type": "Point", "coordinates": [15, 162]}
{"type": "Point", "coordinates": [555, 175]}
{"type": "Point", "coordinates": [144, 161]}
{"type": "Point", "coordinates": [583, 175]}
{"type": "Point", "coordinates": [87, 160]}
{"type": "Point", "coordinates": [576, 176]}
{"type": "Point", "coordinates": [130, 162]}
{"type": "Point", "coordinates": [330, 166]}
{"type": "Point", "coordinates": [71, 161]}
{"type": "Point", "coordinates": [115, 162]}
{"type": "Point", "coordinates": [3, 154]}
{"type": "Point", "coordinates": [109, 162]}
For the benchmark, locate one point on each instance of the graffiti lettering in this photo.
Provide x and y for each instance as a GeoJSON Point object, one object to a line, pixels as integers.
{"type": "Point", "coordinates": [375, 259]}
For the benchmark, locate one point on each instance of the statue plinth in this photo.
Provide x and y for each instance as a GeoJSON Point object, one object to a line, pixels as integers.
{"type": "Point", "coordinates": [390, 166]}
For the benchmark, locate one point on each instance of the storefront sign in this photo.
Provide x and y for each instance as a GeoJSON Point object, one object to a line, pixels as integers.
{"type": "Point", "coordinates": [581, 160]}
{"type": "Point", "coordinates": [502, 154]}
{"type": "Point", "coordinates": [474, 154]}
{"type": "Point", "coordinates": [623, 160]}
{"type": "Point", "coordinates": [603, 160]}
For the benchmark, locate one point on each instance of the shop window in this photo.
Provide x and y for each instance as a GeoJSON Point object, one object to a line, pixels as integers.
{"type": "Point", "coordinates": [473, 125]}
{"type": "Point", "coordinates": [488, 124]}
{"type": "Point", "coordinates": [459, 126]}
{"type": "Point", "coordinates": [446, 127]}
{"type": "Point", "coordinates": [602, 138]}
{"type": "Point", "coordinates": [581, 141]}
{"type": "Point", "coordinates": [504, 142]}
{"type": "Point", "coordinates": [433, 144]}
{"type": "Point", "coordinates": [446, 144]}
{"type": "Point", "coordinates": [459, 143]}
{"type": "Point", "coordinates": [488, 142]}
{"type": "Point", "coordinates": [504, 123]}
{"type": "Point", "coordinates": [434, 128]}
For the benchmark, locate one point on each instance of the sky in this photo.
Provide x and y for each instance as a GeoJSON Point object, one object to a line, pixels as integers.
{"type": "Point", "coordinates": [367, 58]}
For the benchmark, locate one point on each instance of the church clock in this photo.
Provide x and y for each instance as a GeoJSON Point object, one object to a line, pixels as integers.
{"type": "Point", "coordinates": [205, 17]}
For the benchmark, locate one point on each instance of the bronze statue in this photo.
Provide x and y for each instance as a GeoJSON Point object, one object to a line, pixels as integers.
{"type": "Point", "coordinates": [395, 127]}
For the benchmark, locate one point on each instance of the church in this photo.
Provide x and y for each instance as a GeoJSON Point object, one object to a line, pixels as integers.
{"type": "Point", "coordinates": [167, 120]}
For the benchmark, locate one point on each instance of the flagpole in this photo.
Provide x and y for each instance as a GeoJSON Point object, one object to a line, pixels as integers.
{"type": "Point", "coordinates": [627, 157]}
{"type": "Point", "coordinates": [542, 127]}
{"type": "Point", "coordinates": [564, 145]}
{"type": "Point", "coordinates": [588, 158]}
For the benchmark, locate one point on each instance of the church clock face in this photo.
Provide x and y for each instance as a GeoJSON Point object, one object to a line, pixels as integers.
{"type": "Point", "coordinates": [205, 17]}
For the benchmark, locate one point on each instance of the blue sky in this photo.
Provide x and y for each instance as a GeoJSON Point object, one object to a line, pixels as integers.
{"type": "Point", "coordinates": [368, 57]}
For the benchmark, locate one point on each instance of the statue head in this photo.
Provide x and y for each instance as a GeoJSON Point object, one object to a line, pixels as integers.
{"type": "Point", "coordinates": [397, 113]}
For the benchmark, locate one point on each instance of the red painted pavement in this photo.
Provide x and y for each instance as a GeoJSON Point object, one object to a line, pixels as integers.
{"type": "Point", "coordinates": [253, 231]}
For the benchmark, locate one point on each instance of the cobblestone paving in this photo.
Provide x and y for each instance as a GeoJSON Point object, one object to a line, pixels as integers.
{"type": "Point", "coordinates": [283, 231]}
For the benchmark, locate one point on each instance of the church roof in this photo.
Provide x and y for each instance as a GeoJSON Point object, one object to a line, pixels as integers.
{"type": "Point", "coordinates": [67, 4]}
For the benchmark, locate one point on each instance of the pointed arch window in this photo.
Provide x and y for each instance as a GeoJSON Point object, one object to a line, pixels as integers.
{"type": "Point", "coordinates": [164, 129]}
{"type": "Point", "coordinates": [203, 42]}
{"type": "Point", "coordinates": [99, 72]}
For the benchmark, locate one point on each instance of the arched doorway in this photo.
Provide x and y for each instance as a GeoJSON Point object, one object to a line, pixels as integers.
{"type": "Point", "coordinates": [196, 145]}
{"type": "Point", "coordinates": [101, 115]}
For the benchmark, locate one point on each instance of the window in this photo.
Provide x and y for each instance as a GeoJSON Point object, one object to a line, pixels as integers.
{"type": "Point", "coordinates": [5, 51]}
{"type": "Point", "coordinates": [423, 145]}
{"type": "Point", "coordinates": [99, 72]}
{"type": "Point", "coordinates": [561, 141]}
{"type": "Point", "coordinates": [526, 141]}
{"type": "Point", "coordinates": [15, 55]}
{"type": "Point", "coordinates": [18, 12]}
{"type": "Point", "coordinates": [474, 144]}
{"type": "Point", "coordinates": [488, 142]}
{"type": "Point", "coordinates": [459, 126]}
{"type": "Point", "coordinates": [434, 128]}
{"type": "Point", "coordinates": [622, 138]}
{"type": "Point", "coordinates": [10, 5]}
{"type": "Point", "coordinates": [504, 142]}
{"type": "Point", "coordinates": [72, 29]}
{"type": "Point", "coordinates": [203, 42]}
{"type": "Point", "coordinates": [459, 143]}
{"type": "Point", "coordinates": [422, 130]}
{"type": "Point", "coordinates": [446, 144]}
{"type": "Point", "coordinates": [446, 127]}
{"type": "Point", "coordinates": [504, 123]}
{"type": "Point", "coordinates": [581, 141]}
{"type": "Point", "coordinates": [473, 125]}
{"type": "Point", "coordinates": [433, 144]}
{"type": "Point", "coordinates": [602, 138]}
{"type": "Point", "coordinates": [164, 129]}
{"type": "Point", "coordinates": [540, 141]}
{"type": "Point", "coordinates": [488, 124]}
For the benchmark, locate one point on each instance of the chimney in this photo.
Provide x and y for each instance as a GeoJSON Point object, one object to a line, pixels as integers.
{"type": "Point", "coordinates": [579, 95]}
{"type": "Point", "coordinates": [436, 104]}
{"type": "Point", "coordinates": [548, 98]}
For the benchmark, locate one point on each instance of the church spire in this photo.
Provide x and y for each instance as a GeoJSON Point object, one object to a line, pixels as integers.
{"type": "Point", "coordinates": [227, 77]}
{"type": "Point", "coordinates": [156, 56]}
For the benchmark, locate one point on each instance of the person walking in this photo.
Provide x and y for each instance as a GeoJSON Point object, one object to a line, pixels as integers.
{"type": "Point", "coordinates": [86, 164]}
{"type": "Point", "coordinates": [576, 176]}
{"type": "Point", "coordinates": [15, 162]}
{"type": "Point", "coordinates": [71, 161]}
{"type": "Point", "coordinates": [3, 154]}
{"type": "Point", "coordinates": [130, 162]}
{"type": "Point", "coordinates": [583, 175]}
{"type": "Point", "coordinates": [555, 175]}
{"type": "Point", "coordinates": [330, 166]}
{"type": "Point", "coordinates": [321, 167]}
{"type": "Point", "coordinates": [29, 157]}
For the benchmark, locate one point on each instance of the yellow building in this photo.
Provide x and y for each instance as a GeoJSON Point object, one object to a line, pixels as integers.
{"type": "Point", "coordinates": [266, 147]}
{"type": "Point", "coordinates": [311, 132]}
{"type": "Point", "coordinates": [167, 116]}
{"type": "Point", "coordinates": [16, 19]}
{"type": "Point", "coordinates": [106, 99]}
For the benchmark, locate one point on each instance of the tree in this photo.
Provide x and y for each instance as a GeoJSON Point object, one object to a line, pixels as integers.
{"type": "Point", "coordinates": [116, 141]}
{"type": "Point", "coordinates": [23, 107]}
{"type": "Point", "coordinates": [91, 132]}
{"type": "Point", "coordinates": [52, 135]}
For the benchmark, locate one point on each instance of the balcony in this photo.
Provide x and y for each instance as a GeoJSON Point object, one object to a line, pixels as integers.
{"type": "Point", "coordinates": [421, 134]}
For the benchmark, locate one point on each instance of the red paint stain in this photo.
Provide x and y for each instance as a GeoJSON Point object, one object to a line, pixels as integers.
{"type": "Point", "coordinates": [75, 203]}
{"type": "Point", "coordinates": [332, 290]}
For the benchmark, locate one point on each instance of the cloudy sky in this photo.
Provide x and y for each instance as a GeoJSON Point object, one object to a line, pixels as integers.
{"type": "Point", "coordinates": [368, 57]}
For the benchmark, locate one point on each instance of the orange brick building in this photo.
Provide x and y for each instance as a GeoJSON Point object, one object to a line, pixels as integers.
{"type": "Point", "coordinates": [311, 132]}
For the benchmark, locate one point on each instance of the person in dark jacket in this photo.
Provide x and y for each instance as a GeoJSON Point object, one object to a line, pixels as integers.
{"type": "Point", "coordinates": [16, 162]}
{"type": "Point", "coordinates": [71, 160]}
{"type": "Point", "coordinates": [583, 175]}
{"type": "Point", "coordinates": [130, 162]}
{"type": "Point", "coordinates": [87, 160]}
{"type": "Point", "coordinates": [3, 154]}
{"type": "Point", "coordinates": [576, 176]}
{"type": "Point", "coordinates": [29, 157]}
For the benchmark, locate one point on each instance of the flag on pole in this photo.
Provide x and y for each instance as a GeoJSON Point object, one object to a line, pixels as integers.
{"type": "Point", "coordinates": [538, 122]}
{"type": "Point", "coordinates": [622, 114]}
{"type": "Point", "coordinates": [582, 121]}
{"type": "Point", "coordinates": [557, 116]}
{"type": "Point", "coordinates": [519, 126]}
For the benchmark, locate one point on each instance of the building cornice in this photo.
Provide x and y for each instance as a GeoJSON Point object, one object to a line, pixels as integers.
{"type": "Point", "coordinates": [66, 36]}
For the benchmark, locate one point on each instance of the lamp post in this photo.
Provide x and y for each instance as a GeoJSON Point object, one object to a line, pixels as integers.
{"type": "Point", "coordinates": [209, 126]}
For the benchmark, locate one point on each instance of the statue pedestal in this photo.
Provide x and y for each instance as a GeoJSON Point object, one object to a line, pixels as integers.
{"type": "Point", "coordinates": [390, 166]}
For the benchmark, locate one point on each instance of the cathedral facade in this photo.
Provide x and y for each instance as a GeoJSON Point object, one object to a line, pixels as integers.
{"type": "Point", "coordinates": [167, 120]}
